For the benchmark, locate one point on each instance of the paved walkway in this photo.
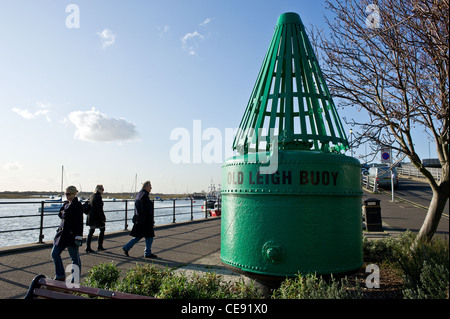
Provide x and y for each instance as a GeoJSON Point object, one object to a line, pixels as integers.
{"type": "Point", "coordinates": [399, 216]}
{"type": "Point", "coordinates": [176, 245]}
{"type": "Point", "coordinates": [187, 246]}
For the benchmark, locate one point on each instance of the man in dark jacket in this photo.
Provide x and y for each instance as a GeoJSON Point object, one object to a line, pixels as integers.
{"type": "Point", "coordinates": [143, 220]}
{"type": "Point", "coordinates": [96, 218]}
{"type": "Point", "coordinates": [69, 234]}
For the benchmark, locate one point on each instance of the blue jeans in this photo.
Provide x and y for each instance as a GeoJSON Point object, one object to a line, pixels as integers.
{"type": "Point", "coordinates": [56, 256]}
{"type": "Point", "coordinates": [148, 244]}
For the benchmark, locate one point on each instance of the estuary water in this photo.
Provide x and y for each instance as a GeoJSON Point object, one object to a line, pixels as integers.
{"type": "Point", "coordinates": [19, 214]}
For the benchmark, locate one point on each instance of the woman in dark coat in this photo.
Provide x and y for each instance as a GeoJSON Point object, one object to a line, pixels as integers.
{"type": "Point", "coordinates": [143, 220]}
{"type": "Point", "coordinates": [96, 218]}
{"type": "Point", "coordinates": [69, 234]}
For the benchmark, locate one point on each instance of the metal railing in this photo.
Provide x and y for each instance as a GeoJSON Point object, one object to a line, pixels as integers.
{"type": "Point", "coordinates": [413, 171]}
{"type": "Point", "coordinates": [128, 212]}
{"type": "Point", "coordinates": [370, 184]}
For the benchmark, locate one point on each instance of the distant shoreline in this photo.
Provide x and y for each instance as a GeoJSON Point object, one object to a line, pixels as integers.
{"type": "Point", "coordinates": [46, 194]}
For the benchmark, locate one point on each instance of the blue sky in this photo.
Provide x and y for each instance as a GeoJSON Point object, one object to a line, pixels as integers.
{"type": "Point", "coordinates": [102, 94]}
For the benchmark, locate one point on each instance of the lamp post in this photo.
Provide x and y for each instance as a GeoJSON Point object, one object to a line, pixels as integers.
{"type": "Point", "coordinates": [351, 140]}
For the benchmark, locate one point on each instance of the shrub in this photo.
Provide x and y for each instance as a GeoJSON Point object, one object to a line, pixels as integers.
{"type": "Point", "coordinates": [378, 250]}
{"type": "Point", "coordinates": [425, 266]}
{"type": "Point", "coordinates": [148, 280]}
{"type": "Point", "coordinates": [240, 290]}
{"type": "Point", "coordinates": [209, 285]}
{"type": "Point", "coordinates": [313, 287]}
{"type": "Point", "coordinates": [205, 286]}
{"type": "Point", "coordinates": [103, 276]}
{"type": "Point", "coordinates": [177, 287]}
{"type": "Point", "coordinates": [143, 280]}
{"type": "Point", "coordinates": [433, 283]}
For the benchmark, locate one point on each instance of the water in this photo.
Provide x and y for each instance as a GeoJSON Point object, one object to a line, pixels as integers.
{"type": "Point", "coordinates": [28, 209]}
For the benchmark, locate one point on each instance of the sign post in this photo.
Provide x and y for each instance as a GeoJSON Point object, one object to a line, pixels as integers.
{"type": "Point", "coordinates": [392, 184]}
{"type": "Point", "coordinates": [387, 159]}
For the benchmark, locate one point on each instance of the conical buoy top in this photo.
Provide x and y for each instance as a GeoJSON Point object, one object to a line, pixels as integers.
{"type": "Point", "coordinates": [289, 17]}
{"type": "Point", "coordinates": [290, 104]}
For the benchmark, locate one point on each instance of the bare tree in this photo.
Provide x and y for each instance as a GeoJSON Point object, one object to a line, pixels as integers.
{"type": "Point", "coordinates": [390, 58]}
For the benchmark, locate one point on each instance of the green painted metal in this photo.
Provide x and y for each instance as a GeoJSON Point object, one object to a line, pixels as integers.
{"type": "Point", "coordinates": [291, 201]}
{"type": "Point", "coordinates": [305, 217]}
{"type": "Point", "coordinates": [291, 96]}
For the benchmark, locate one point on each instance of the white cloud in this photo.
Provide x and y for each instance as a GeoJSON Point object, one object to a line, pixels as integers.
{"type": "Point", "coordinates": [12, 166]}
{"type": "Point", "coordinates": [204, 23]}
{"type": "Point", "coordinates": [24, 113]}
{"type": "Point", "coordinates": [41, 109]}
{"type": "Point", "coordinates": [95, 126]}
{"type": "Point", "coordinates": [190, 42]}
{"type": "Point", "coordinates": [163, 30]}
{"type": "Point", "coordinates": [107, 37]}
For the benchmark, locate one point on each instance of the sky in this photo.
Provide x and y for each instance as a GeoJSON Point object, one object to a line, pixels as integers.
{"type": "Point", "coordinates": [117, 91]}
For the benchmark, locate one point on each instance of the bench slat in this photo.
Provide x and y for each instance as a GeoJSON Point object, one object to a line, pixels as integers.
{"type": "Point", "coordinates": [51, 294]}
{"type": "Point", "coordinates": [62, 285]}
{"type": "Point", "coordinates": [124, 295]}
{"type": "Point", "coordinates": [57, 290]}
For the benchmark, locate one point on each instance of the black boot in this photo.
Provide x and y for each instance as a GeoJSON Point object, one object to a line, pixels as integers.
{"type": "Point", "coordinates": [88, 241]}
{"type": "Point", "coordinates": [100, 239]}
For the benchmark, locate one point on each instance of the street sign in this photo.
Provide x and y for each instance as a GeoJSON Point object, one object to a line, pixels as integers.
{"type": "Point", "coordinates": [385, 156]}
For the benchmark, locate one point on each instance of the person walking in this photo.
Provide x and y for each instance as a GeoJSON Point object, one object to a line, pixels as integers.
{"type": "Point", "coordinates": [69, 234]}
{"type": "Point", "coordinates": [96, 218]}
{"type": "Point", "coordinates": [143, 220]}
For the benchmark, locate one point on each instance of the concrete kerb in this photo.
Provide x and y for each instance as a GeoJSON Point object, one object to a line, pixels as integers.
{"type": "Point", "coordinates": [387, 232]}
{"type": "Point", "coordinates": [212, 264]}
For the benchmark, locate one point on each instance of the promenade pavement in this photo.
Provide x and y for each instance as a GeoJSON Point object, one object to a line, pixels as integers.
{"type": "Point", "coordinates": [176, 245]}
{"type": "Point", "coordinates": [399, 216]}
{"type": "Point", "coordinates": [187, 246]}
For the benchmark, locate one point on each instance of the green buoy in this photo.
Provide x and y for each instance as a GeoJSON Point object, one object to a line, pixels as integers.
{"type": "Point", "coordinates": [291, 201]}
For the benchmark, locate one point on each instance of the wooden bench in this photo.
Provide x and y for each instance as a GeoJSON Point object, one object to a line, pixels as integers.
{"type": "Point", "coordinates": [44, 288]}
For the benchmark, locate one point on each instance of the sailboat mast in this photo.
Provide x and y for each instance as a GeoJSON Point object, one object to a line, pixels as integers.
{"type": "Point", "coordinates": [62, 180]}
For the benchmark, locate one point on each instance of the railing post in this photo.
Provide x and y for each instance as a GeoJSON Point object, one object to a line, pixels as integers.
{"type": "Point", "coordinates": [41, 228]}
{"type": "Point", "coordinates": [126, 214]}
{"type": "Point", "coordinates": [192, 210]}
{"type": "Point", "coordinates": [174, 211]}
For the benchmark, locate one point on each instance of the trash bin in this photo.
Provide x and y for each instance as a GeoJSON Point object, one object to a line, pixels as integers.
{"type": "Point", "coordinates": [372, 212]}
